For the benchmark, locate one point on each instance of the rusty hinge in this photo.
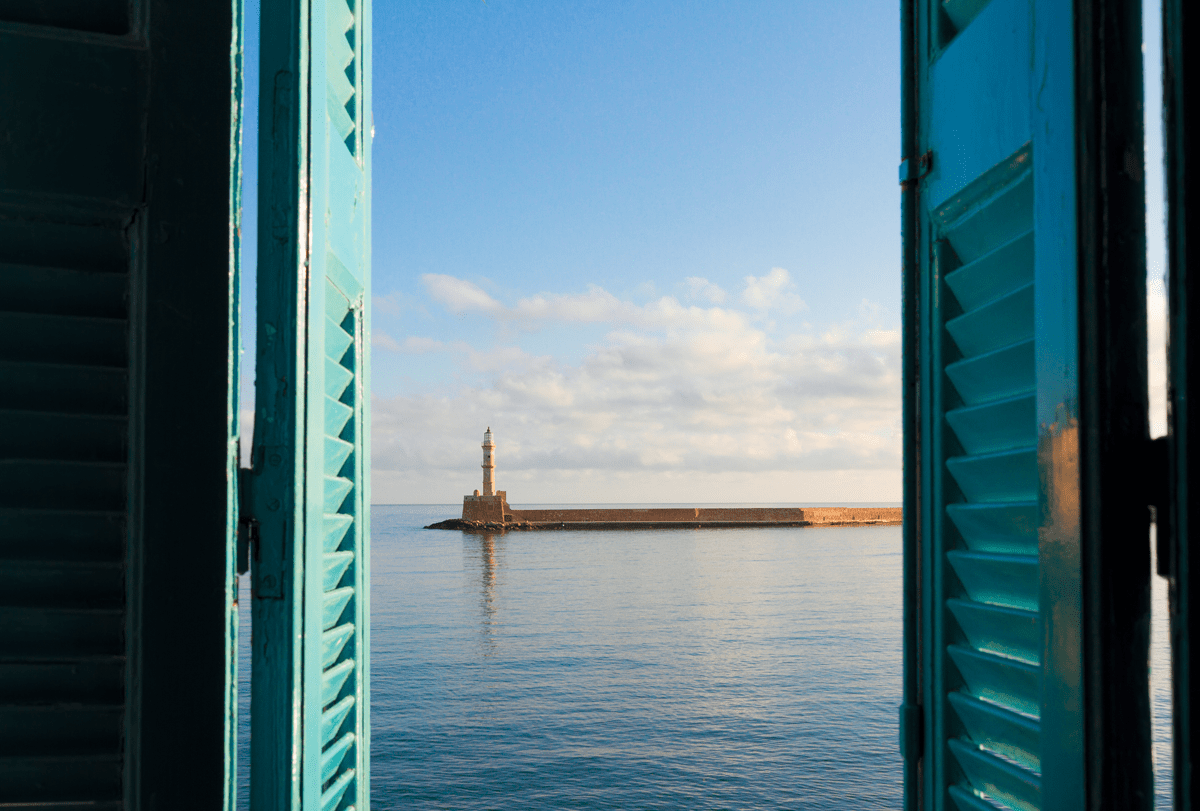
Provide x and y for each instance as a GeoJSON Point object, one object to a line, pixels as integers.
{"type": "Point", "coordinates": [247, 528]}
{"type": "Point", "coordinates": [912, 731]}
{"type": "Point", "coordinates": [913, 170]}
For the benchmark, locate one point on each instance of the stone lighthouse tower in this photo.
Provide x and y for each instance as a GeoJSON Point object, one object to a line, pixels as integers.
{"type": "Point", "coordinates": [489, 464]}
{"type": "Point", "coordinates": [490, 504]}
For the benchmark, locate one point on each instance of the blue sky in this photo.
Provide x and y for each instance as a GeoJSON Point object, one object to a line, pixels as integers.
{"type": "Point", "coordinates": [653, 245]}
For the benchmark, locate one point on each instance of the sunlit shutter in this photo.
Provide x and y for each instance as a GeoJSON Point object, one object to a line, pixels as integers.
{"type": "Point", "coordinates": [1000, 331]}
{"type": "Point", "coordinates": [984, 256]}
{"type": "Point", "coordinates": [311, 488]}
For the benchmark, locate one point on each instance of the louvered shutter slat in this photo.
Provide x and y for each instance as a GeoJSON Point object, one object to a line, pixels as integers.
{"type": "Point", "coordinates": [337, 789]}
{"type": "Point", "coordinates": [337, 451]}
{"type": "Point", "coordinates": [992, 477]}
{"type": "Point", "coordinates": [56, 338]}
{"type": "Point", "coordinates": [1005, 580]}
{"type": "Point", "coordinates": [333, 643]}
{"type": "Point", "coordinates": [332, 718]}
{"type": "Point", "coordinates": [1000, 425]}
{"type": "Point", "coordinates": [337, 378]}
{"type": "Point", "coordinates": [337, 415]}
{"type": "Point", "coordinates": [64, 473]}
{"type": "Point", "coordinates": [961, 12]}
{"type": "Point", "coordinates": [332, 757]}
{"type": "Point", "coordinates": [335, 604]}
{"type": "Point", "coordinates": [972, 802]}
{"type": "Point", "coordinates": [336, 564]}
{"type": "Point", "coordinates": [336, 490]}
{"type": "Point", "coordinates": [1005, 528]}
{"type": "Point", "coordinates": [1007, 782]}
{"type": "Point", "coordinates": [994, 274]}
{"type": "Point", "coordinates": [336, 527]}
{"type": "Point", "coordinates": [1009, 734]}
{"type": "Point", "coordinates": [337, 340]}
{"type": "Point", "coordinates": [1012, 632]}
{"type": "Point", "coordinates": [333, 679]}
{"type": "Point", "coordinates": [1000, 680]}
{"type": "Point", "coordinates": [999, 323]}
{"type": "Point", "coordinates": [994, 375]}
{"type": "Point", "coordinates": [74, 779]}
{"type": "Point", "coordinates": [340, 88]}
{"type": "Point", "coordinates": [64, 388]}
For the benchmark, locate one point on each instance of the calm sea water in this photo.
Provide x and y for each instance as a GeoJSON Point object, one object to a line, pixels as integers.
{"type": "Point", "coordinates": [672, 669]}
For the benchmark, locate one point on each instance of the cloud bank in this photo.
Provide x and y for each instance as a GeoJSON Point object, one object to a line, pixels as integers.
{"type": "Point", "coordinates": [677, 402]}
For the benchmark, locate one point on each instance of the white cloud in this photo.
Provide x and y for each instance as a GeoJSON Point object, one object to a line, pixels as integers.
{"type": "Point", "coordinates": [772, 292]}
{"type": "Point", "coordinates": [670, 391]}
{"type": "Point", "coordinates": [458, 295]}
{"type": "Point", "coordinates": [412, 345]}
{"type": "Point", "coordinates": [702, 289]}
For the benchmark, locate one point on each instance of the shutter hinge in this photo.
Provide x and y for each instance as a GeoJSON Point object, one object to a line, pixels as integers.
{"type": "Point", "coordinates": [913, 170]}
{"type": "Point", "coordinates": [912, 731]}
{"type": "Point", "coordinates": [247, 528]}
{"type": "Point", "coordinates": [1157, 465]}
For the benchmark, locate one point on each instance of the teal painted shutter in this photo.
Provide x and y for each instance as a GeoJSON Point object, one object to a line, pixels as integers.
{"type": "Point", "coordinates": [310, 742]}
{"type": "Point", "coordinates": [65, 369]}
{"type": "Point", "coordinates": [117, 199]}
{"type": "Point", "coordinates": [1001, 525]}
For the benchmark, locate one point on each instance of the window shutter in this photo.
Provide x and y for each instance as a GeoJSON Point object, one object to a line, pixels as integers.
{"type": "Point", "coordinates": [311, 579]}
{"type": "Point", "coordinates": [1010, 361]}
{"type": "Point", "coordinates": [117, 208]}
{"type": "Point", "coordinates": [1181, 77]}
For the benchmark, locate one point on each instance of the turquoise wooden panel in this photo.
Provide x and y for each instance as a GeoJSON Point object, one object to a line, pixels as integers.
{"type": "Point", "coordinates": [974, 124]}
{"type": "Point", "coordinates": [981, 626]}
{"type": "Point", "coordinates": [316, 328]}
{"type": "Point", "coordinates": [1023, 322]}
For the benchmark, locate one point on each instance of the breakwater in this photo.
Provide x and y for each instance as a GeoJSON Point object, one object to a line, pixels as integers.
{"type": "Point", "coordinates": [673, 517]}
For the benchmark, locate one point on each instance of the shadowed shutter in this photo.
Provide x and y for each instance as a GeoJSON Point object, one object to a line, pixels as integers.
{"type": "Point", "coordinates": [1000, 524]}
{"type": "Point", "coordinates": [311, 698]}
{"type": "Point", "coordinates": [1181, 78]}
{"type": "Point", "coordinates": [117, 210]}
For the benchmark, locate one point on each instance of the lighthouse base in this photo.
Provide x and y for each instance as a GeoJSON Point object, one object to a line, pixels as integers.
{"type": "Point", "coordinates": [487, 508]}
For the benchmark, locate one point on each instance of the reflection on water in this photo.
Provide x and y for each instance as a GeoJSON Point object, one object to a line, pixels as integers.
{"type": "Point", "coordinates": [480, 550]}
{"type": "Point", "coordinates": [706, 669]}
{"type": "Point", "coordinates": [751, 668]}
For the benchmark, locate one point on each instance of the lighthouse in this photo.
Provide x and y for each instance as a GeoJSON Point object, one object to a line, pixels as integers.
{"type": "Point", "coordinates": [489, 504]}
{"type": "Point", "coordinates": [489, 463]}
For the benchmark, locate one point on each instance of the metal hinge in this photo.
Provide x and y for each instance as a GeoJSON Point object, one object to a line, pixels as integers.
{"type": "Point", "coordinates": [247, 529]}
{"type": "Point", "coordinates": [1157, 467]}
{"type": "Point", "coordinates": [913, 170]}
{"type": "Point", "coordinates": [912, 731]}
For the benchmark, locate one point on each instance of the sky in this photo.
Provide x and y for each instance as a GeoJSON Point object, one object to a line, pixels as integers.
{"type": "Point", "coordinates": [654, 246]}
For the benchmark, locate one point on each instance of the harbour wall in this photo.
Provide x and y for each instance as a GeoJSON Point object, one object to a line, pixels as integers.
{"type": "Point", "coordinates": [809, 516]}
{"type": "Point", "coordinates": [495, 510]}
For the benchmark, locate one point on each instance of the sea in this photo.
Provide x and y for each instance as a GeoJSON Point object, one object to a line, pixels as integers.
{"type": "Point", "coordinates": [640, 669]}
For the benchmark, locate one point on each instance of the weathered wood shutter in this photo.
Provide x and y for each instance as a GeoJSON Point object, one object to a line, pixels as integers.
{"type": "Point", "coordinates": [310, 569]}
{"type": "Point", "coordinates": [1026, 569]}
